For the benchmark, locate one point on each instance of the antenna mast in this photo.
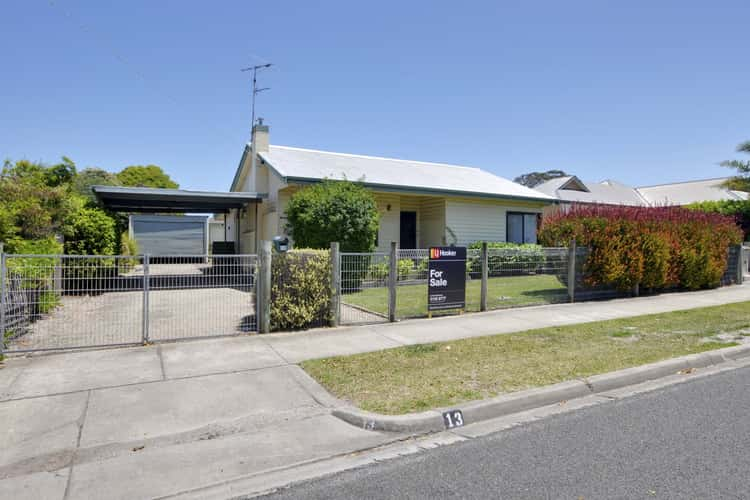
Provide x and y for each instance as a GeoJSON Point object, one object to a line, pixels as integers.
{"type": "Point", "coordinates": [256, 90]}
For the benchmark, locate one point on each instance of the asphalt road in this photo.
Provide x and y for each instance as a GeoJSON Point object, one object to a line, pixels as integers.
{"type": "Point", "coordinates": [690, 440]}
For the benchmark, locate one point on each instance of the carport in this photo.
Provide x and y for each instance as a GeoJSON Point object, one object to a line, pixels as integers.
{"type": "Point", "coordinates": [179, 201]}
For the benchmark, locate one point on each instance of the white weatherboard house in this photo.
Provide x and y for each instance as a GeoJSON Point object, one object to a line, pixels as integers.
{"type": "Point", "coordinates": [421, 204]}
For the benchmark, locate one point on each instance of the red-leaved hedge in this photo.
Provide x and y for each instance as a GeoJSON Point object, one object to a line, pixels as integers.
{"type": "Point", "coordinates": [653, 247]}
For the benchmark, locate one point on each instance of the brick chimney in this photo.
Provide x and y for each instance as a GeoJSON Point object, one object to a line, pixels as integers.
{"type": "Point", "coordinates": [260, 137]}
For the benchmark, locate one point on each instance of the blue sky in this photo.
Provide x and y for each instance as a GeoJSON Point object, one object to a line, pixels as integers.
{"type": "Point", "coordinates": [643, 92]}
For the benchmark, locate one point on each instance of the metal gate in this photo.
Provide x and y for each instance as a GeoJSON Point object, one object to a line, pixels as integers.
{"type": "Point", "coordinates": [364, 288]}
{"type": "Point", "coordinates": [74, 301]}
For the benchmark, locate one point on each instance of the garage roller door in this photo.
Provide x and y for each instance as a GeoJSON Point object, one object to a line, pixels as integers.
{"type": "Point", "coordinates": [169, 235]}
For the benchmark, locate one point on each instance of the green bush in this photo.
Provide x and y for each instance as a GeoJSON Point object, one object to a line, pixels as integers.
{"type": "Point", "coordinates": [378, 271]}
{"type": "Point", "coordinates": [35, 271]}
{"type": "Point", "coordinates": [508, 258]}
{"type": "Point", "coordinates": [739, 209]}
{"type": "Point", "coordinates": [301, 289]}
{"type": "Point", "coordinates": [128, 245]}
{"type": "Point", "coordinates": [128, 248]}
{"type": "Point", "coordinates": [90, 231]}
{"type": "Point", "coordinates": [330, 211]}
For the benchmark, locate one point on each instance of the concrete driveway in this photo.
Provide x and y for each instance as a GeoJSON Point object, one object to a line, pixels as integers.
{"type": "Point", "coordinates": [116, 318]}
{"type": "Point", "coordinates": [157, 421]}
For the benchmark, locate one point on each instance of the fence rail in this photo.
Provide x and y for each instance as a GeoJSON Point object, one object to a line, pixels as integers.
{"type": "Point", "coordinates": [74, 301]}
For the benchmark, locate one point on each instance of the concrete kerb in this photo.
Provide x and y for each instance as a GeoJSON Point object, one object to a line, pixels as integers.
{"type": "Point", "coordinates": [506, 404]}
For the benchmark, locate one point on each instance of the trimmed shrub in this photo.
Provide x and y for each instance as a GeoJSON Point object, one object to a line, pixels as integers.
{"type": "Point", "coordinates": [508, 258]}
{"type": "Point", "coordinates": [655, 248]}
{"type": "Point", "coordinates": [300, 289]}
{"type": "Point", "coordinates": [340, 211]}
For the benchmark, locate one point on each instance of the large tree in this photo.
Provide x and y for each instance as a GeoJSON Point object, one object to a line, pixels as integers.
{"type": "Point", "coordinates": [146, 176]}
{"type": "Point", "coordinates": [93, 176]}
{"type": "Point", "coordinates": [740, 182]}
{"type": "Point", "coordinates": [535, 178]}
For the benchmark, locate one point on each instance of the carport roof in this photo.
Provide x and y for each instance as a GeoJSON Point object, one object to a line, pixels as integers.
{"type": "Point", "coordinates": [137, 199]}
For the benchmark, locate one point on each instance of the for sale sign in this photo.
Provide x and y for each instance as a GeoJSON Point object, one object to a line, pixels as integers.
{"type": "Point", "coordinates": [446, 279]}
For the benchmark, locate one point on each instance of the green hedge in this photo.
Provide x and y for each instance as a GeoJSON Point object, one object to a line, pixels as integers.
{"type": "Point", "coordinates": [507, 258]}
{"type": "Point", "coordinates": [301, 289]}
{"type": "Point", "coordinates": [654, 248]}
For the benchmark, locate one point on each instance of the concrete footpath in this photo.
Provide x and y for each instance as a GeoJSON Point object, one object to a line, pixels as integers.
{"type": "Point", "coordinates": [170, 419]}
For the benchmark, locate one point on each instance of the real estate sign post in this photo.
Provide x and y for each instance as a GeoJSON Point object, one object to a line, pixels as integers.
{"type": "Point", "coordinates": [446, 279]}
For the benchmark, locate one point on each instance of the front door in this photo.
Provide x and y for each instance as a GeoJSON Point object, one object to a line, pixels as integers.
{"type": "Point", "coordinates": [408, 236]}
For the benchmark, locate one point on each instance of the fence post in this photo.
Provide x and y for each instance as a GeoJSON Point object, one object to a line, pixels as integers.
{"type": "Point", "coordinates": [335, 284]}
{"type": "Point", "coordinates": [572, 270]}
{"type": "Point", "coordinates": [485, 278]}
{"type": "Point", "coordinates": [264, 288]}
{"type": "Point", "coordinates": [740, 270]}
{"type": "Point", "coordinates": [392, 277]}
{"type": "Point", "coordinates": [146, 284]}
{"type": "Point", "coordinates": [2, 299]}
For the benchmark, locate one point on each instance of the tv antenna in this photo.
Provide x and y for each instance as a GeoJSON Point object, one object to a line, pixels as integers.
{"type": "Point", "coordinates": [256, 90]}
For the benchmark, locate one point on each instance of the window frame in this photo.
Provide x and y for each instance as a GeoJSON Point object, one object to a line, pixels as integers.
{"type": "Point", "coordinates": [508, 214]}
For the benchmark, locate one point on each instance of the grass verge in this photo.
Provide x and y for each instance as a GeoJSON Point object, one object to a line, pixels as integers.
{"type": "Point", "coordinates": [420, 377]}
{"type": "Point", "coordinates": [511, 291]}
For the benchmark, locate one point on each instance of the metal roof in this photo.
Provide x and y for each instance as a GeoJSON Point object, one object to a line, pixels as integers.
{"type": "Point", "coordinates": [389, 174]}
{"type": "Point", "coordinates": [138, 199]}
{"type": "Point", "coordinates": [615, 193]}
{"type": "Point", "coordinates": [685, 193]}
{"type": "Point", "coordinates": [605, 192]}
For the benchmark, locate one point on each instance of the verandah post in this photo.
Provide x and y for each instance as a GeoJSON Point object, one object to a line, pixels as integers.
{"type": "Point", "coordinates": [392, 277]}
{"type": "Point", "coordinates": [485, 278]}
{"type": "Point", "coordinates": [572, 270]}
{"type": "Point", "coordinates": [335, 284]}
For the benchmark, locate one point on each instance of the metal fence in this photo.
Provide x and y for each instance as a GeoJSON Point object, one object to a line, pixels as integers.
{"type": "Point", "coordinates": [377, 287]}
{"type": "Point", "coordinates": [515, 277]}
{"type": "Point", "coordinates": [74, 301]}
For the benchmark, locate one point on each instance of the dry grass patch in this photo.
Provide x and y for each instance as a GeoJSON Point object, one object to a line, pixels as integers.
{"type": "Point", "coordinates": [419, 377]}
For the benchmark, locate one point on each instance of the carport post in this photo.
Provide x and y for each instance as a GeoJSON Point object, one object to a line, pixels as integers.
{"type": "Point", "coordinates": [485, 277]}
{"type": "Point", "coordinates": [145, 298]}
{"type": "Point", "coordinates": [335, 284]}
{"type": "Point", "coordinates": [264, 288]}
{"type": "Point", "coordinates": [392, 277]}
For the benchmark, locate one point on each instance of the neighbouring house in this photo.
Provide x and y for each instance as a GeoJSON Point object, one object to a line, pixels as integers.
{"type": "Point", "coordinates": [421, 204]}
{"type": "Point", "coordinates": [685, 193]}
{"type": "Point", "coordinates": [572, 190]}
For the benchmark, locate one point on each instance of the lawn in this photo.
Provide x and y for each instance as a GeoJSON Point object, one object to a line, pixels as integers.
{"type": "Point", "coordinates": [416, 378]}
{"type": "Point", "coordinates": [411, 300]}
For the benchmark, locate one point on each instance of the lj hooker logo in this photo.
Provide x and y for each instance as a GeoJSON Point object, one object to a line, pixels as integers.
{"type": "Point", "coordinates": [436, 253]}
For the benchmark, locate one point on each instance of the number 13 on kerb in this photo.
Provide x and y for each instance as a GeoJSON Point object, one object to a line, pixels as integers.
{"type": "Point", "coordinates": [453, 418]}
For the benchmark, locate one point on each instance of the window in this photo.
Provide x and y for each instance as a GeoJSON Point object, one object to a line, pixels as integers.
{"type": "Point", "coordinates": [521, 227]}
